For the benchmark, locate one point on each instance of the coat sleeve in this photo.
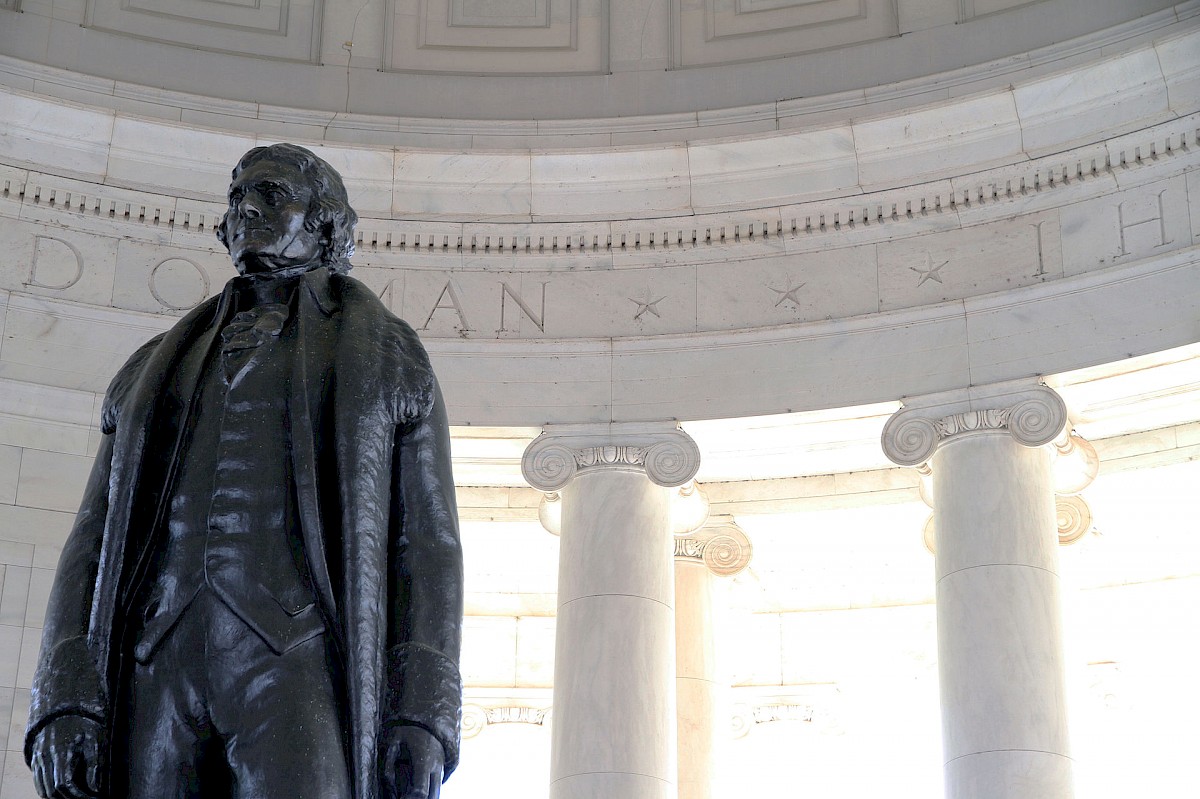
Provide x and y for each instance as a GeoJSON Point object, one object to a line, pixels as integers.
{"type": "Point", "coordinates": [68, 677]}
{"type": "Point", "coordinates": [425, 630]}
{"type": "Point", "coordinates": [67, 680]}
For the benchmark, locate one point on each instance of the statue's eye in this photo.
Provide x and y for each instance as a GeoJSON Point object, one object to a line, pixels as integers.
{"type": "Point", "coordinates": [273, 196]}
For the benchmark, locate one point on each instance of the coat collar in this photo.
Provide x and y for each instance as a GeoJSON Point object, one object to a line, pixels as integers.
{"type": "Point", "coordinates": [317, 282]}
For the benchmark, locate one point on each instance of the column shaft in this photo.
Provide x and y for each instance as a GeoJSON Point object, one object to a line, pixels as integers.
{"type": "Point", "coordinates": [698, 692]}
{"type": "Point", "coordinates": [999, 621]}
{"type": "Point", "coordinates": [614, 728]}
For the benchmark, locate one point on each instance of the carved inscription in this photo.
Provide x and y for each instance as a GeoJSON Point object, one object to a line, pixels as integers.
{"type": "Point", "coordinates": [178, 284]}
{"type": "Point", "coordinates": [1041, 263]}
{"type": "Point", "coordinates": [930, 272]}
{"type": "Point", "coordinates": [56, 264]}
{"type": "Point", "coordinates": [1124, 223]}
{"type": "Point", "coordinates": [788, 294]}
{"type": "Point", "coordinates": [450, 295]}
{"type": "Point", "coordinates": [647, 305]}
{"type": "Point", "coordinates": [539, 320]}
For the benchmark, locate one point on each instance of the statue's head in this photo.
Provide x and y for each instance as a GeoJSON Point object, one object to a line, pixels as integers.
{"type": "Point", "coordinates": [288, 212]}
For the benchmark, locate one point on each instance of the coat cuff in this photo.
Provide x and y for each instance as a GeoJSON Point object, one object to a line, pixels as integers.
{"type": "Point", "coordinates": [424, 689]}
{"type": "Point", "coordinates": [67, 683]}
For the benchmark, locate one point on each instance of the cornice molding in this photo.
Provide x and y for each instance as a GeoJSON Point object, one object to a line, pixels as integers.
{"type": "Point", "coordinates": [668, 456]}
{"type": "Point", "coordinates": [1030, 185]}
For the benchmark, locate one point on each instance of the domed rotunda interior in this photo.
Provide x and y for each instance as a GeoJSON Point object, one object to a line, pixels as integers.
{"type": "Point", "coordinates": [823, 375]}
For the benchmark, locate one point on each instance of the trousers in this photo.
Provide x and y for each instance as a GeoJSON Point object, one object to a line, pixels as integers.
{"type": "Point", "coordinates": [215, 713]}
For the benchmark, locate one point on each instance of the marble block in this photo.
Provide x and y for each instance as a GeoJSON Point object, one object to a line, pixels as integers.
{"type": "Point", "coordinates": [614, 711]}
{"type": "Point", "coordinates": [933, 142]}
{"type": "Point", "coordinates": [1001, 662]}
{"type": "Point", "coordinates": [608, 785]}
{"type": "Point", "coordinates": [489, 643]}
{"type": "Point", "coordinates": [14, 596]}
{"type": "Point", "coordinates": [1115, 95]}
{"type": "Point", "coordinates": [1177, 57]}
{"type": "Point", "coordinates": [1010, 775]}
{"type": "Point", "coordinates": [535, 651]}
{"type": "Point", "coordinates": [172, 280]}
{"type": "Point", "coordinates": [993, 503]}
{"type": "Point", "coordinates": [55, 262]}
{"type": "Point", "coordinates": [774, 170]}
{"type": "Point", "coordinates": [1138, 222]}
{"type": "Point", "coordinates": [158, 156]}
{"type": "Point", "coordinates": [52, 480]}
{"type": "Point", "coordinates": [10, 470]}
{"type": "Point", "coordinates": [615, 539]}
{"type": "Point", "coordinates": [963, 263]}
{"type": "Point", "coordinates": [610, 184]}
{"type": "Point", "coordinates": [466, 185]}
{"type": "Point", "coordinates": [73, 138]}
{"type": "Point", "coordinates": [10, 650]}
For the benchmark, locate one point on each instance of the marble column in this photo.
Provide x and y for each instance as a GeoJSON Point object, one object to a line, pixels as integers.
{"type": "Point", "coordinates": [1000, 652]}
{"type": "Point", "coordinates": [614, 728]}
{"type": "Point", "coordinates": [719, 549]}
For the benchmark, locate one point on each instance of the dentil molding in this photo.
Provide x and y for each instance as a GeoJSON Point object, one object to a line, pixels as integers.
{"type": "Point", "coordinates": [667, 455]}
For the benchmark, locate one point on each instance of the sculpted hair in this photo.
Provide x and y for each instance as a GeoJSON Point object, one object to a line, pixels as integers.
{"type": "Point", "coordinates": [330, 214]}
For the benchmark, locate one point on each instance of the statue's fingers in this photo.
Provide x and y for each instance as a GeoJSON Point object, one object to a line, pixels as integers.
{"type": "Point", "coordinates": [435, 783]}
{"type": "Point", "coordinates": [91, 757]}
{"type": "Point", "coordinates": [39, 776]}
{"type": "Point", "coordinates": [71, 776]}
{"type": "Point", "coordinates": [57, 771]}
{"type": "Point", "coordinates": [93, 778]}
{"type": "Point", "coordinates": [393, 783]}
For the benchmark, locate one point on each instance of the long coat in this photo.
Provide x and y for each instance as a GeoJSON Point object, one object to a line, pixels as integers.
{"type": "Point", "coordinates": [371, 462]}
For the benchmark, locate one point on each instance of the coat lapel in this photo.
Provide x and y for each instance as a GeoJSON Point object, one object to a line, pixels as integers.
{"type": "Point", "coordinates": [133, 435]}
{"type": "Point", "coordinates": [315, 309]}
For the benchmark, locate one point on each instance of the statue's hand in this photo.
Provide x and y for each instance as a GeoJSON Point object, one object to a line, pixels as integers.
{"type": "Point", "coordinates": [412, 763]}
{"type": "Point", "coordinates": [66, 758]}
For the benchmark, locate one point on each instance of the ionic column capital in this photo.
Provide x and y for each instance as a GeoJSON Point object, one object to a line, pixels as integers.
{"type": "Point", "coordinates": [1033, 415]}
{"type": "Point", "coordinates": [667, 455]}
{"type": "Point", "coordinates": [721, 546]}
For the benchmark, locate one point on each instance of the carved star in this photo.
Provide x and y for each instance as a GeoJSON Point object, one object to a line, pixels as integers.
{"type": "Point", "coordinates": [646, 304]}
{"type": "Point", "coordinates": [788, 294]}
{"type": "Point", "coordinates": [933, 273]}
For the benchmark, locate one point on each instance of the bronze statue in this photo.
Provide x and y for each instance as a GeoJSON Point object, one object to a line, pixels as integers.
{"type": "Point", "coordinates": [261, 597]}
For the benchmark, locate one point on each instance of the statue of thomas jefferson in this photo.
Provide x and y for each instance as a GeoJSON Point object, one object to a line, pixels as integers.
{"type": "Point", "coordinates": [261, 597]}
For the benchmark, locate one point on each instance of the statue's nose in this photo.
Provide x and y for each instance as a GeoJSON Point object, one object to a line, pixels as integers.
{"type": "Point", "coordinates": [249, 208]}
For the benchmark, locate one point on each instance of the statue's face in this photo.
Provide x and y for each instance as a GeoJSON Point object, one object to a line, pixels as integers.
{"type": "Point", "coordinates": [268, 203]}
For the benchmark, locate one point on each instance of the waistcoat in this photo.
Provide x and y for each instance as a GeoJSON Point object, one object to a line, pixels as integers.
{"type": "Point", "coordinates": [231, 520]}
